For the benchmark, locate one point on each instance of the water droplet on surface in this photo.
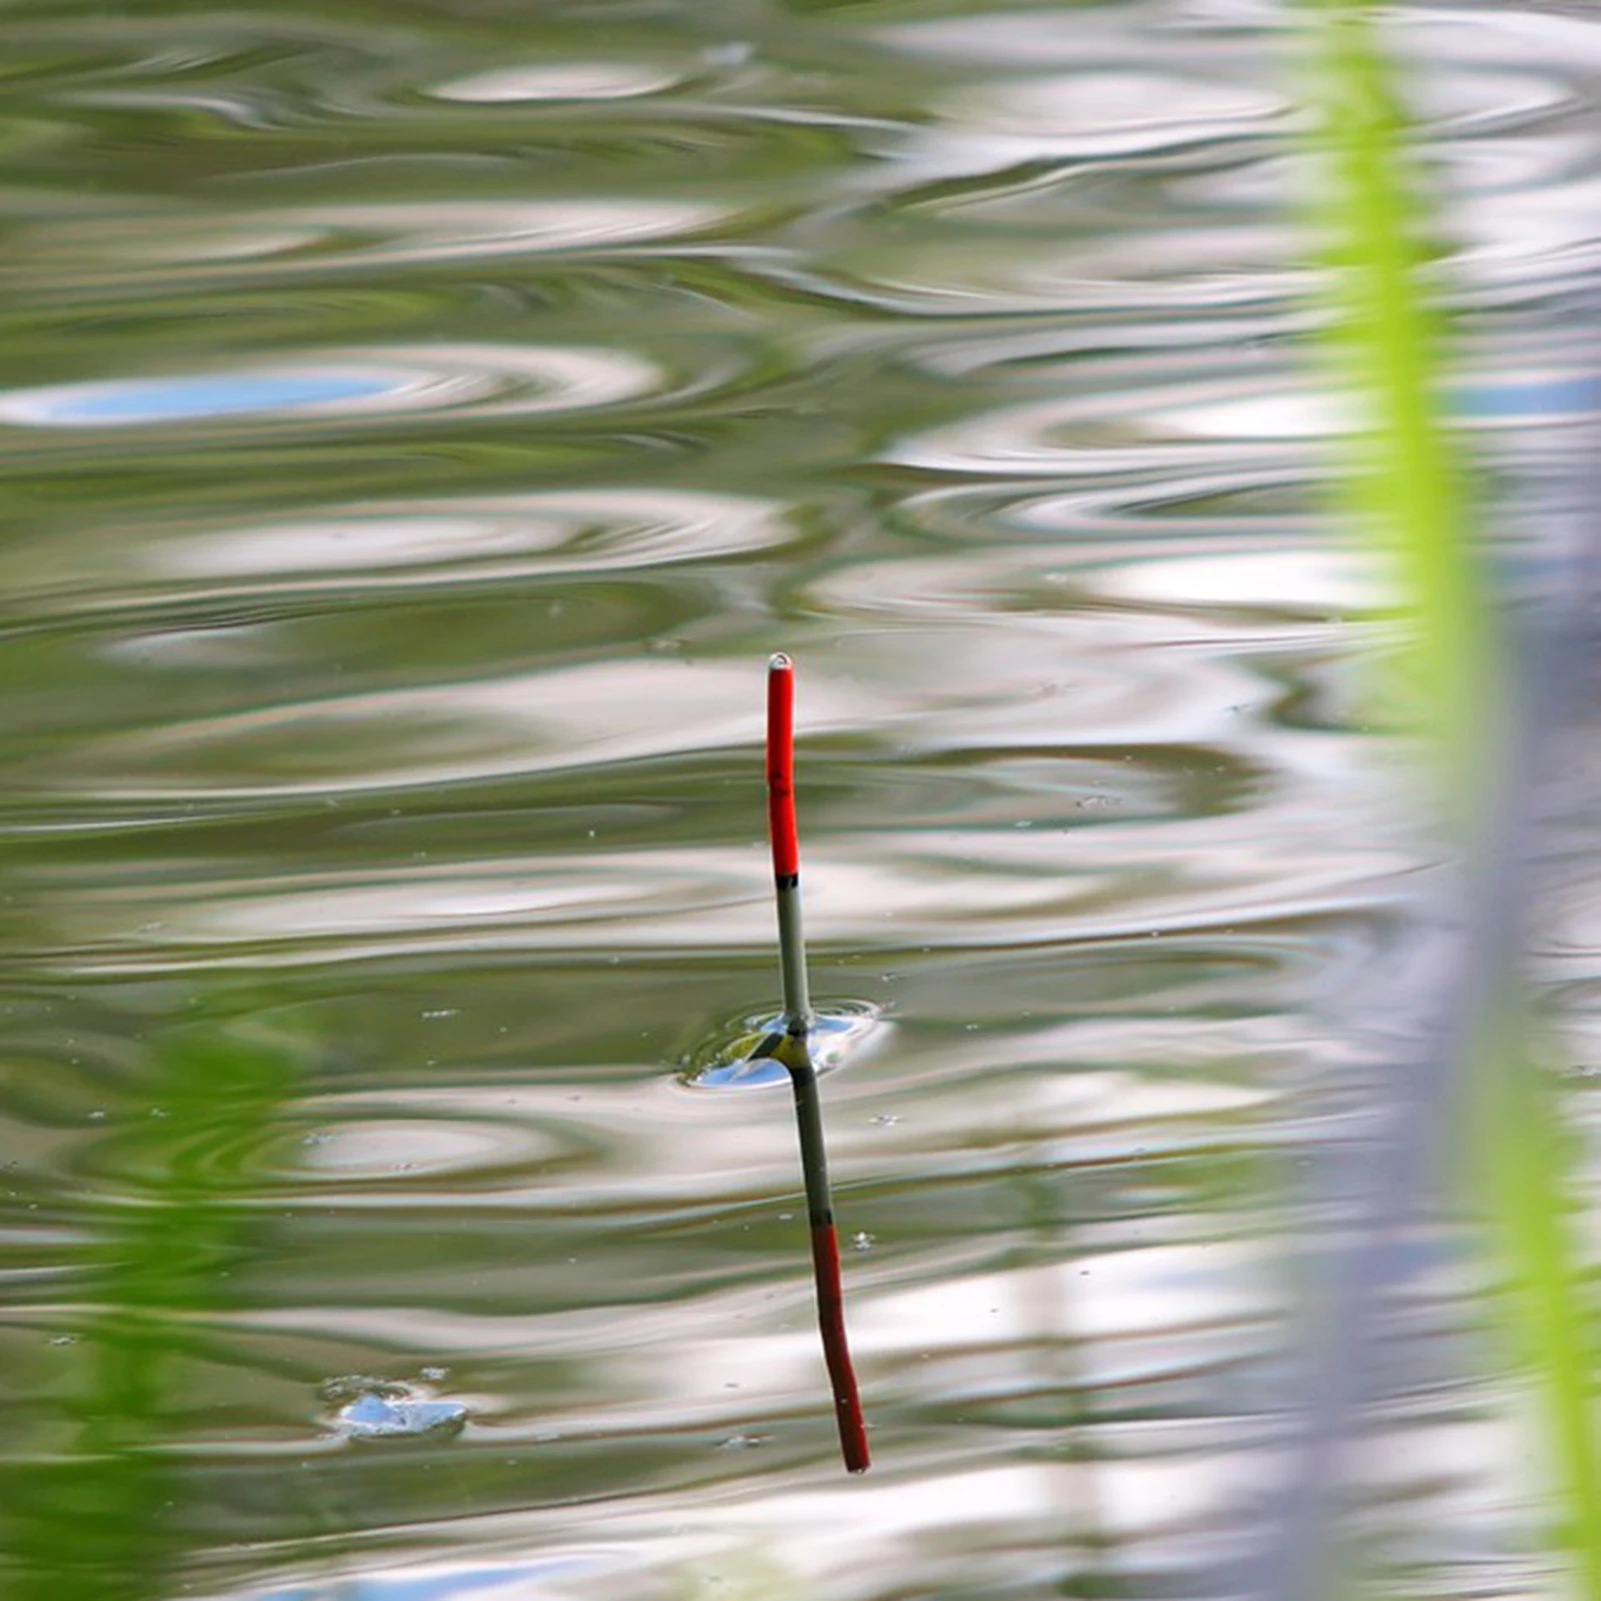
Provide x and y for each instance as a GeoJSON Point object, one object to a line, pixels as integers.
{"type": "Point", "coordinates": [733, 54]}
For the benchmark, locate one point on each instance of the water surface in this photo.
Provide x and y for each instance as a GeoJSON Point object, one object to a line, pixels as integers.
{"type": "Point", "coordinates": [419, 425]}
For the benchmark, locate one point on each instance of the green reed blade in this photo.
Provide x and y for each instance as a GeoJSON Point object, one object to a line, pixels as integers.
{"type": "Point", "coordinates": [1410, 495]}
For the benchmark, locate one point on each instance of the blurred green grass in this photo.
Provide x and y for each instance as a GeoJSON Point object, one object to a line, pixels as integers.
{"type": "Point", "coordinates": [1409, 492]}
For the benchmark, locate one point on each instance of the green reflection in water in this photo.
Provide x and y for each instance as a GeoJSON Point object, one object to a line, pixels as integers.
{"type": "Point", "coordinates": [94, 1516]}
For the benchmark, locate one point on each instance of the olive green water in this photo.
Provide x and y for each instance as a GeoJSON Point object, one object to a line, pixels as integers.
{"type": "Point", "coordinates": [418, 423]}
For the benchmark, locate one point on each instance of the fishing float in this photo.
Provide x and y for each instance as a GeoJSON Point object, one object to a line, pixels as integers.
{"type": "Point", "coordinates": [788, 1045]}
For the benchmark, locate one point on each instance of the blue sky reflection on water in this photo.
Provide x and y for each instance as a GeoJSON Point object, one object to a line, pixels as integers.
{"type": "Point", "coordinates": [154, 400]}
{"type": "Point", "coordinates": [487, 1584]}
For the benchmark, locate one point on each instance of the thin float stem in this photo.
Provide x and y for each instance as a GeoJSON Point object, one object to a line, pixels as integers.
{"type": "Point", "coordinates": [791, 1049]}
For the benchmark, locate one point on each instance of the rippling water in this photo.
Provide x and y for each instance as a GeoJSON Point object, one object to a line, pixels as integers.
{"type": "Point", "coordinates": [420, 423]}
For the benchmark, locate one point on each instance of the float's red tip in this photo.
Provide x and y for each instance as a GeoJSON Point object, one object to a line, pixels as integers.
{"type": "Point", "coordinates": [781, 766]}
